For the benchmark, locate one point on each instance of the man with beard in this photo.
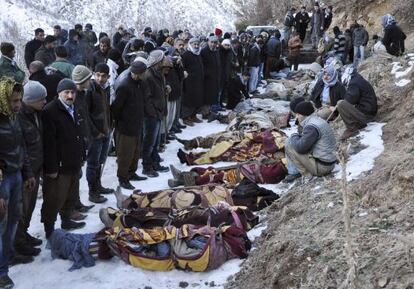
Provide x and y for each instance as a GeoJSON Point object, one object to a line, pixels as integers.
{"type": "Point", "coordinates": [46, 52]}
{"type": "Point", "coordinates": [212, 76]}
{"type": "Point", "coordinates": [101, 55]}
{"type": "Point", "coordinates": [193, 97]}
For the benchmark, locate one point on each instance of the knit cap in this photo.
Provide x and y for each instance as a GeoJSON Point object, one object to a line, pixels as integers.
{"type": "Point", "coordinates": [138, 66]}
{"type": "Point", "coordinates": [226, 42]}
{"type": "Point", "coordinates": [80, 74]}
{"type": "Point", "coordinates": [294, 102]}
{"type": "Point", "coordinates": [66, 84]}
{"type": "Point", "coordinates": [33, 92]}
{"type": "Point", "coordinates": [304, 108]}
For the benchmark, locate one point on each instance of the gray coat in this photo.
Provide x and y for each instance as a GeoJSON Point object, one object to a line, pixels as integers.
{"type": "Point", "coordinates": [360, 36]}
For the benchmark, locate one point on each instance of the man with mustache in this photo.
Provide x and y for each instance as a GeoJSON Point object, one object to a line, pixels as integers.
{"type": "Point", "coordinates": [64, 154]}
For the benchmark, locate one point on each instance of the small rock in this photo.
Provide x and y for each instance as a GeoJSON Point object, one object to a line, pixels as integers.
{"type": "Point", "coordinates": [147, 287]}
{"type": "Point", "coordinates": [383, 281]}
{"type": "Point", "coordinates": [331, 205]}
{"type": "Point", "coordinates": [212, 284]}
{"type": "Point", "coordinates": [309, 259]}
{"type": "Point", "coordinates": [183, 284]}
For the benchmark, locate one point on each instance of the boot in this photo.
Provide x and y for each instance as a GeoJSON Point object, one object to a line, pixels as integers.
{"type": "Point", "coordinates": [104, 191]}
{"type": "Point", "coordinates": [125, 184]}
{"type": "Point", "coordinates": [72, 225]}
{"type": "Point", "coordinates": [19, 259]}
{"type": "Point", "coordinates": [150, 172]}
{"type": "Point", "coordinates": [348, 133]}
{"type": "Point", "coordinates": [159, 168]}
{"type": "Point", "coordinates": [291, 178]}
{"type": "Point", "coordinates": [212, 117]}
{"type": "Point", "coordinates": [189, 144]}
{"type": "Point", "coordinates": [177, 174]}
{"type": "Point", "coordinates": [49, 228]}
{"type": "Point", "coordinates": [6, 282]}
{"type": "Point", "coordinates": [105, 219]}
{"type": "Point", "coordinates": [188, 122]}
{"type": "Point", "coordinates": [32, 240]}
{"type": "Point", "coordinates": [197, 120]}
{"type": "Point", "coordinates": [77, 216]}
{"type": "Point", "coordinates": [181, 156]}
{"type": "Point", "coordinates": [120, 198]}
{"type": "Point", "coordinates": [27, 249]}
{"type": "Point", "coordinates": [172, 183]}
{"type": "Point", "coordinates": [83, 209]}
{"type": "Point", "coordinates": [96, 198]}
{"type": "Point", "coordinates": [171, 136]}
{"type": "Point", "coordinates": [137, 178]}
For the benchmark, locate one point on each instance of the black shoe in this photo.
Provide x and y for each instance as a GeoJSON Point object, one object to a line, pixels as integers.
{"type": "Point", "coordinates": [27, 249]}
{"type": "Point", "coordinates": [150, 173]}
{"type": "Point", "coordinates": [161, 169]}
{"type": "Point", "coordinates": [291, 178]}
{"type": "Point", "coordinates": [212, 117]}
{"type": "Point", "coordinates": [105, 191]}
{"type": "Point", "coordinates": [84, 209]}
{"type": "Point", "coordinates": [126, 185]}
{"type": "Point", "coordinates": [6, 282]}
{"type": "Point", "coordinates": [72, 225]}
{"type": "Point", "coordinates": [49, 229]}
{"type": "Point", "coordinates": [181, 126]}
{"type": "Point", "coordinates": [171, 137]}
{"type": "Point", "coordinates": [20, 259]}
{"type": "Point", "coordinates": [32, 240]}
{"type": "Point", "coordinates": [181, 156]}
{"type": "Point", "coordinates": [176, 130]}
{"type": "Point", "coordinates": [137, 178]}
{"type": "Point", "coordinates": [97, 198]}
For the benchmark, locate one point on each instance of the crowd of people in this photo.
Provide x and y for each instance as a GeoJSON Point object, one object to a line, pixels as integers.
{"type": "Point", "coordinates": [88, 96]}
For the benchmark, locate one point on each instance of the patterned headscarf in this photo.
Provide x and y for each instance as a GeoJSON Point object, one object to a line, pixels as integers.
{"type": "Point", "coordinates": [387, 20]}
{"type": "Point", "coordinates": [331, 71]}
{"type": "Point", "coordinates": [6, 89]}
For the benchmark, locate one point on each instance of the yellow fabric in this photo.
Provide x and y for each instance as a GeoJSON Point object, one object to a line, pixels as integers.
{"type": "Point", "coordinates": [147, 236]}
{"type": "Point", "coordinates": [197, 265]}
{"type": "Point", "coordinates": [151, 263]}
{"type": "Point", "coordinates": [215, 151]}
{"type": "Point", "coordinates": [183, 199]}
{"type": "Point", "coordinates": [219, 193]}
{"type": "Point", "coordinates": [6, 90]}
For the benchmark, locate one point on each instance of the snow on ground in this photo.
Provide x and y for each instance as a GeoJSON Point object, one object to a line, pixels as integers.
{"type": "Point", "coordinates": [113, 274]}
{"type": "Point", "coordinates": [396, 69]}
{"type": "Point", "coordinates": [363, 161]}
{"type": "Point", "coordinates": [402, 82]}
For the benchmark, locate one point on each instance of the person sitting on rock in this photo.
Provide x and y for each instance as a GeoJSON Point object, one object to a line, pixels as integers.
{"type": "Point", "coordinates": [327, 92]}
{"type": "Point", "coordinates": [359, 105]}
{"type": "Point", "coordinates": [312, 152]}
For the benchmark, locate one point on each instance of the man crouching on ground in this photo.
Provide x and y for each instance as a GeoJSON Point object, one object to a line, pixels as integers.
{"type": "Point", "coordinates": [312, 152]}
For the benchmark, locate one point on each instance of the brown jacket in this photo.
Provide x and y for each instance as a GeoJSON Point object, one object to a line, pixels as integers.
{"type": "Point", "coordinates": [294, 46]}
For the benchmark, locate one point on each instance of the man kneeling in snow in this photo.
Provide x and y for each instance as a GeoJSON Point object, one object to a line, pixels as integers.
{"type": "Point", "coordinates": [312, 152]}
{"type": "Point", "coordinates": [359, 105]}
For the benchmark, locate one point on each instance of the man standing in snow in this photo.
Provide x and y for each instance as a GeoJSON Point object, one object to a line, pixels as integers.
{"type": "Point", "coordinates": [33, 45]}
{"type": "Point", "coordinates": [360, 39]}
{"type": "Point", "coordinates": [46, 52]}
{"type": "Point", "coordinates": [8, 66]}
{"type": "Point", "coordinates": [312, 152]}
{"type": "Point", "coordinates": [302, 20]}
{"type": "Point", "coordinates": [64, 153]}
{"type": "Point", "coordinates": [14, 169]}
{"type": "Point", "coordinates": [288, 25]}
{"type": "Point", "coordinates": [128, 112]}
{"type": "Point", "coordinates": [317, 23]}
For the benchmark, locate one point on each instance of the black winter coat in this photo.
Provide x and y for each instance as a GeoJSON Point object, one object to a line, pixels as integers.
{"type": "Point", "coordinates": [174, 79]}
{"type": "Point", "coordinates": [273, 47]}
{"type": "Point", "coordinates": [394, 40]}
{"type": "Point", "coordinates": [336, 93]}
{"type": "Point", "coordinates": [156, 95]}
{"type": "Point", "coordinates": [193, 87]}
{"type": "Point", "coordinates": [302, 21]}
{"type": "Point", "coordinates": [212, 75]}
{"type": "Point", "coordinates": [30, 50]}
{"type": "Point", "coordinates": [82, 109]}
{"type": "Point", "coordinates": [46, 56]}
{"type": "Point", "coordinates": [254, 59]}
{"type": "Point", "coordinates": [13, 156]}
{"type": "Point", "coordinates": [226, 60]}
{"type": "Point", "coordinates": [63, 143]}
{"type": "Point", "coordinates": [49, 81]}
{"type": "Point", "coordinates": [98, 108]}
{"type": "Point", "coordinates": [116, 39]}
{"type": "Point", "coordinates": [361, 94]}
{"type": "Point", "coordinates": [32, 128]}
{"type": "Point", "coordinates": [128, 107]}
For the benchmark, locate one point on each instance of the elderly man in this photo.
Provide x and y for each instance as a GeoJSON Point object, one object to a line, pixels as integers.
{"type": "Point", "coordinates": [128, 112]}
{"type": "Point", "coordinates": [8, 66]}
{"type": "Point", "coordinates": [212, 76]}
{"type": "Point", "coordinates": [64, 154]}
{"type": "Point", "coordinates": [312, 152]}
{"type": "Point", "coordinates": [14, 168]}
{"type": "Point", "coordinates": [34, 99]}
{"type": "Point", "coordinates": [155, 111]}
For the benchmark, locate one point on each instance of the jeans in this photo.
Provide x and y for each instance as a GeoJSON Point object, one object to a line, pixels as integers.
{"type": "Point", "coordinates": [359, 53]}
{"type": "Point", "coordinates": [261, 69]}
{"type": "Point", "coordinates": [254, 78]}
{"type": "Point", "coordinates": [11, 191]}
{"type": "Point", "coordinates": [150, 156]}
{"type": "Point", "coordinates": [97, 154]}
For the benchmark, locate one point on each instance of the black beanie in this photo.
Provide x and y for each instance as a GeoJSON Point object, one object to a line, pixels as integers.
{"type": "Point", "coordinates": [66, 84]}
{"type": "Point", "coordinates": [294, 102]}
{"type": "Point", "coordinates": [305, 108]}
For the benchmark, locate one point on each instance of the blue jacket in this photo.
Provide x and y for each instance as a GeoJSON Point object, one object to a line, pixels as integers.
{"type": "Point", "coordinates": [75, 52]}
